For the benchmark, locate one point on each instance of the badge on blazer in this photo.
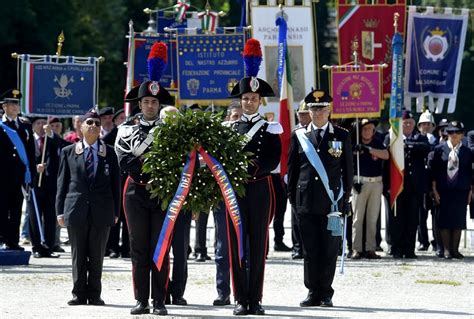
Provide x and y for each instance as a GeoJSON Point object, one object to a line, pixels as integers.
{"type": "Point", "coordinates": [335, 148]}
{"type": "Point", "coordinates": [106, 170]}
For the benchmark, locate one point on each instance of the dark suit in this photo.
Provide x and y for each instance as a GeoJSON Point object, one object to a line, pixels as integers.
{"type": "Point", "coordinates": [114, 236]}
{"type": "Point", "coordinates": [89, 210]}
{"type": "Point", "coordinates": [13, 174]}
{"type": "Point", "coordinates": [404, 224]}
{"type": "Point", "coordinates": [45, 195]}
{"type": "Point", "coordinates": [312, 204]}
{"type": "Point", "coordinates": [256, 209]}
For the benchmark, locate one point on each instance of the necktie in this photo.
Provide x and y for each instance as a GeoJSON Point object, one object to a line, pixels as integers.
{"type": "Point", "coordinates": [41, 144]}
{"type": "Point", "coordinates": [318, 135]}
{"type": "Point", "coordinates": [90, 165]}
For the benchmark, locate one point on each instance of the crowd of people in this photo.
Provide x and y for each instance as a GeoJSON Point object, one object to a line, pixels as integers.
{"type": "Point", "coordinates": [90, 180]}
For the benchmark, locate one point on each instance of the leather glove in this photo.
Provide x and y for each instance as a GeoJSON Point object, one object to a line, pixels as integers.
{"type": "Point", "coordinates": [357, 187]}
{"type": "Point", "coordinates": [346, 208]}
{"type": "Point", "coordinates": [362, 148]}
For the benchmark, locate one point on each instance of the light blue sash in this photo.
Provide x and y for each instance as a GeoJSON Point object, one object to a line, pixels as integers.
{"type": "Point", "coordinates": [20, 148]}
{"type": "Point", "coordinates": [334, 221]}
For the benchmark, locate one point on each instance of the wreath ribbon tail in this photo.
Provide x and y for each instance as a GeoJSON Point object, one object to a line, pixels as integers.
{"type": "Point", "coordinates": [230, 198]}
{"type": "Point", "coordinates": [164, 239]}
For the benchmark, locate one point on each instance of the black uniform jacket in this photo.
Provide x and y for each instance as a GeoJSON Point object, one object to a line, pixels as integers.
{"type": "Point", "coordinates": [10, 162]}
{"type": "Point", "coordinates": [265, 147]}
{"type": "Point", "coordinates": [77, 198]}
{"type": "Point", "coordinates": [305, 187]}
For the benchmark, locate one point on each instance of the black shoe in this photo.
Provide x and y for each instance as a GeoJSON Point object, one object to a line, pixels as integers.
{"type": "Point", "coordinates": [96, 302]}
{"type": "Point", "coordinates": [221, 301]}
{"type": "Point", "coordinates": [297, 255]}
{"type": "Point", "coordinates": [180, 301]}
{"type": "Point", "coordinates": [411, 256]}
{"type": "Point", "coordinates": [281, 247]}
{"type": "Point", "coordinates": [240, 309]}
{"type": "Point", "coordinates": [326, 302]}
{"type": "Point", "coordinates": [440, 254]}
{"type": "Point", "coordinates": [159, 308]}
{"type": "Point", "coordinates": [256, 308]}
{"type": "Point", "coordinates": [310, 301]}
{"type": "Point", "coordinates": [423, 247]}
{"type": "Point", "coordinates": [50, 254]}
{"type": "Point", "coordinates": [114, 254]}
{"type": "Point", "coordinates": [202, 257]}
{"type": "Point", "coordinates": [379, 249]}
{"type": "Point", "coordinates": [397, 255]}
{"type": "Point", "coordinates": [349, 254]}
{"type": "Point", "coordinates": [77, 301]}
{"type": "Point", "coordinates": [448, 256]}
{"type": "Point", "coordinates": [58, 249]}
{"type": "Point", "coordinates": [140, 308]}
{"type": "Point", "coordinates": [458, 255]}
{"type": "Point", "coordinates": [126, 254]}
{"type": "Point", "coordinates": [356, 255]}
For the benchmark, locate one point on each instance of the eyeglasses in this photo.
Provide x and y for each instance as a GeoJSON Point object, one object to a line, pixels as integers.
{"type": "Point", "coordinates": [92, 122]}
{"type": "Point", "coordinates": [456, 132]}
{"type": "Point", "coordinates": [248, 99]}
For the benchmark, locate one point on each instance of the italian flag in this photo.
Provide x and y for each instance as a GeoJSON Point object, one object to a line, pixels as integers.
{"type": "Point", "coordinates": [287, 118]}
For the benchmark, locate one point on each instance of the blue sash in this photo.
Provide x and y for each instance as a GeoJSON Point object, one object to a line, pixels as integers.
{"type": "Point", "coordinates": [334, 220]}
{"type": "Point", "coordinates": [20, 148]}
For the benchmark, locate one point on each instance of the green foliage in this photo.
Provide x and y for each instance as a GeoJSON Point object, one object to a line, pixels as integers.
{"type": "Point", "coordinates": [175, 139]}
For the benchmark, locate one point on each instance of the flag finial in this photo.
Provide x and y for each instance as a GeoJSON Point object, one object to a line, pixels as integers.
{"type": "Point", "coordinates": [396, 15]}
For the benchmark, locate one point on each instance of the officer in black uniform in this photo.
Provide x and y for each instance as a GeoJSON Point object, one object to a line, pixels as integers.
{"type": "Point", "coordinates": [14, 169]}
{"type": "Point", "coordinates": [114, 250]}
{"type": "Point", "coordinates": [256, 207]}
{"type": "Point", "coordinates": [403, 220]}
{"type": "Point", "coordinates": [313, 204]}
{"type": "Point", "coordinates": [144, 215]}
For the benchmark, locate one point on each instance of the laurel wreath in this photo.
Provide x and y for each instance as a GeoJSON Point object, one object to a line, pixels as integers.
{"type": "Point", "coordinates": [175, 139]}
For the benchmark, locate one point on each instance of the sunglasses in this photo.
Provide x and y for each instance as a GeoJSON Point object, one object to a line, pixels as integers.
{"type": "Point", "coordinates": [92, 122]}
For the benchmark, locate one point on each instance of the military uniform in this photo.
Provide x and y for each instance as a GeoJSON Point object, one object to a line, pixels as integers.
{"type": "Point", "coordinates": [144, 215]}
{"type": "Point", "coordinates": [403, 220]}
{"type": "Point", "coordinates": [13, 176]}
{"type": "Point", "coordinates": [308, 194]}
{"type": "Point", "coordinates": [258, 206]}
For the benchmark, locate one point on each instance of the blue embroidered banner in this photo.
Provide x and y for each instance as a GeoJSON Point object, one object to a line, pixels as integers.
{"type": "Point", "coordinates": [434, 53]}
{"type": "Point", "coordinates": [209, 65]}
{"type": "Point", "coordinates": [59, 89]}
{"type": "Point", "coordinates": [142, 46]}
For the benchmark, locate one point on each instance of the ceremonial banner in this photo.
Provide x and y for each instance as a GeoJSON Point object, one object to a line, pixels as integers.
{"type": "Point", "coordinates": [138, 61]}
{"type": "Point", "coordinates": [356, 92]}
{"type": "Point", "coordinates": [287, 118]}
{"type": "Point", "coordinates": [61, 89]}
{"type": "Point", "coordinates": [300, 48]}
{"type": "Point", "coordinates": [434, 56]}
{"type": "Point", "coordinates": [397, 157]}
{"type": "Point", "coordinates": [209, 65]}
{"type": "Point", "coordinates": [371, 25]}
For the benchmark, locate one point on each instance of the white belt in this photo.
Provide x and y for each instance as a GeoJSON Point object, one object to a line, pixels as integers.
{"type": "Point", "coordinates": [364, 179]}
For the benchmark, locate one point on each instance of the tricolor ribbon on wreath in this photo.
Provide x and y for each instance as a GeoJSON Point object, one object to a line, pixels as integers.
{"type": "Point", "coordinates": [230, 200]}
{"type": "Point", "coordinates": [208, 20]}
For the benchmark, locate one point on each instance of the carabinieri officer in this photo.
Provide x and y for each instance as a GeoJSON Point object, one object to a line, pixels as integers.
{"type": "Point", "coordinates": [144, 215]}
{"type": "Point", "coordinates": [256, 207]}
{"type": "Point", "coordinates": [320, 181]}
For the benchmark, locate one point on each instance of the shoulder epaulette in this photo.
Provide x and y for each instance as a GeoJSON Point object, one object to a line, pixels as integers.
{"type": "Point", "coordinates": [274, 128]}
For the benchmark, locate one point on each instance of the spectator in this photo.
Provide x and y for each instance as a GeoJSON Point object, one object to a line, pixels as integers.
{"type": "Point", "coordinates": [451, 171]}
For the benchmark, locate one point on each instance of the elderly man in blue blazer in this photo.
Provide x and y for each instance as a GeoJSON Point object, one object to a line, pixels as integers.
{"type": "Point", "coordinates": [88, 204]}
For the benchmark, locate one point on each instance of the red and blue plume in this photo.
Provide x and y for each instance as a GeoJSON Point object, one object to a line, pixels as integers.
{"type": "Point", "coordinates": [252, 57]}
{"type": "Point", "coordinates": [157, 60]}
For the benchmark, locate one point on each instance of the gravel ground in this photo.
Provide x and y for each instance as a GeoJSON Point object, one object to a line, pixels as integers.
{"type": "Point", "coordinates": [427, 287]}
{"type": "Point", "coordinates": [424, 288]}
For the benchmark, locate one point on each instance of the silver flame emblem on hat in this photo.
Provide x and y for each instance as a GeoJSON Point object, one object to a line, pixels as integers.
{"type": "Point", "coordinates": [254, 84]}
{"type": "Point", "coordinates": [154, 87]}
